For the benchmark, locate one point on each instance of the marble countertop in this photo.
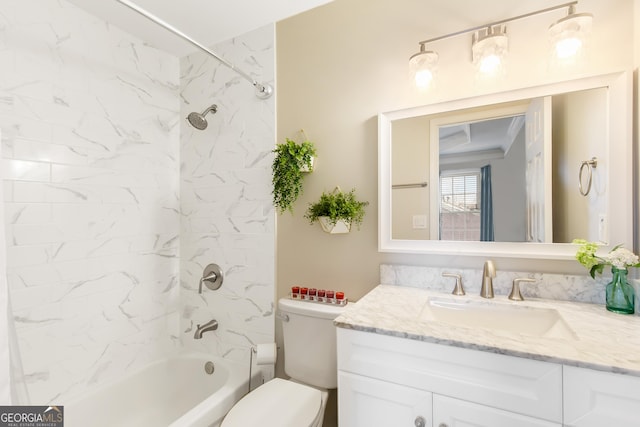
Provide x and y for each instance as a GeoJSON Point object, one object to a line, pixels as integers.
{"type": "Point", "coordinates": [602, 340]}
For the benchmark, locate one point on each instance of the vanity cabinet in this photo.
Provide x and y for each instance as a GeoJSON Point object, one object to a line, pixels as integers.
{"type": "Point", "coordinates": [390, 381]}
{"type": "Point", "coordinates": [448, 412]}
{"type": "Point", "coordinates": [596, 399]}
{"type": "Point", "coordinates": [368, 402]}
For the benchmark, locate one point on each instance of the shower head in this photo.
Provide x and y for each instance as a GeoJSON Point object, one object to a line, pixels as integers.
{"type": "Point", "coordinates": [198, 121]}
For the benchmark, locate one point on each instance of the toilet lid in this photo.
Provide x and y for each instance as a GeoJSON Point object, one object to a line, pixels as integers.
{"type": "Point", "coordinates": [278, 403]}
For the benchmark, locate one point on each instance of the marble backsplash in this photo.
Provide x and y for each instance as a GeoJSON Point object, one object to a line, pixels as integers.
{"type": "Point", "coordinates": [563, 287]}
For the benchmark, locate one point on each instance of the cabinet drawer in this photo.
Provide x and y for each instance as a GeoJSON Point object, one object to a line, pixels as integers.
{"type": "Point", "coordinates": [514, 384]}
{"type": "Point", "coordinates": [453, 412]}
{"type": "Point", "coordinates": [597, 399]}
{"type": "Point", "coordinates": [365, 402]}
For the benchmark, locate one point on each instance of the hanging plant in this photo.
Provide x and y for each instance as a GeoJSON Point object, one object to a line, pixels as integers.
{"type": "Point", "coordinates": [337, 211]}
{"type": "Point", "coordinates": [292, 160]}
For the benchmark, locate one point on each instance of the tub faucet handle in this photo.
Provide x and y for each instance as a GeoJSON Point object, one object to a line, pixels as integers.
{"type": "Point", "coordinates": [212, 277]}
{"type": "Point", "coordinates": [458, 290]}
{"type": "Point", "coordinates": [515, 294]}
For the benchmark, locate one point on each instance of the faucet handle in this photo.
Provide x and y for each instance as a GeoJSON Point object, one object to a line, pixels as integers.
{"type": "Point", "coordinates": [515, 294]}
{"type": "Point", "coordinates": [458, 290]}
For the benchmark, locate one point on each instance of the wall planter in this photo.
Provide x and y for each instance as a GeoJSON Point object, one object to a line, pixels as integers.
{"type": "Point", "coordinates": [291, 162]}
{"type": "Point", "coordinates": [339, 227]}
{"type": "Point", "coordinates": [337, 211]}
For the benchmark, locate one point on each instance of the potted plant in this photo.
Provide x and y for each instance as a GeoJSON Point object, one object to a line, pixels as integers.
{"type": "Point", "coordinates": [337, 211]}
{"type": "Point", "coordinates": [619, 293]}
{"type": "Point", "coordinates": [292, 160]}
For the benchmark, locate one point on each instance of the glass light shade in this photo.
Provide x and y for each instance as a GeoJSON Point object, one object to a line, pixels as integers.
{"type": "Point", "coordinates": [422, 66]}
{"type": "Point", "coordinates": [489, 52]}
{"type": "Point", "coordinates": [568, 36]}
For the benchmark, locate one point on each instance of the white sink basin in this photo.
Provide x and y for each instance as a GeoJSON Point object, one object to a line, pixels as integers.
{"type": "Point", "coordinates": [496, 316]}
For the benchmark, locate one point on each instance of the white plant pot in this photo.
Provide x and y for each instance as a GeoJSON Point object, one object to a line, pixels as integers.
{"type": "Point", "coordinates": [339, 227]}
{"type": "Point", "coordinates": [307, 168]}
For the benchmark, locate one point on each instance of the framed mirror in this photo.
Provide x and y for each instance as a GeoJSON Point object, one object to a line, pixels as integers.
{"type": "Point", "coordinates": [514, 174]}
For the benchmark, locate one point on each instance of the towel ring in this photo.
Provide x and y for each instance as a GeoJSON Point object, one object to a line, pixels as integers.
{"type": "Point", "coordinates": [590, 165]}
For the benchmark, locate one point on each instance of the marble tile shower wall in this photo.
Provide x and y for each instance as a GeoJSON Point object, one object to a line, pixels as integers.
{"type": "Point", "coordinates": [227, 215]}
{"type": "Point", "coordinates": [90, 145]}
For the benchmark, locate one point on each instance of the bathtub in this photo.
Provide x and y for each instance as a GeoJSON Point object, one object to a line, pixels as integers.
{"type": "Point", "coordinates": [175, 392]}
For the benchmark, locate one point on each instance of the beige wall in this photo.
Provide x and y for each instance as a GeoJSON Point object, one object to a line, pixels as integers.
{"type": "Point", "coordinates": [410, 164]}
{"type": "Point", "coordinates": [339, 65]}
{"type": "Point", "coordinates": [578, 129]}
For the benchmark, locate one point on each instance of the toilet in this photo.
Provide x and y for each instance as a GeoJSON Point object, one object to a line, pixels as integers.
{"type": "Point", "coordinates": [310, 360]}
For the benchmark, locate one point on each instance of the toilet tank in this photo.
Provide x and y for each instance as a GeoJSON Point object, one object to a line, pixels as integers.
{"type": "Point", "coordinates": [310, 341]}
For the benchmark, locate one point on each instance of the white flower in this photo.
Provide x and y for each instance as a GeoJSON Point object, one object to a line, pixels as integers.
{"type": "Point", "coordinates": [621, 258]}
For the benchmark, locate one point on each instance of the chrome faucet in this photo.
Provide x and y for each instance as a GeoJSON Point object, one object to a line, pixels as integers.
{"type": "Point", "coordinates": [211, 325]}
{"type": "Point", "coordinates": [488, 273]}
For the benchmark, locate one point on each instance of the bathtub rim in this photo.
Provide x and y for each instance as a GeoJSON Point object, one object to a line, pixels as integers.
{"type": "Point", "coordinates": [200, 414]}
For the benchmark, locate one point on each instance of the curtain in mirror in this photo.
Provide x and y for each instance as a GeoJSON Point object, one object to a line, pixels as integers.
{"type": "Point", "coordinates": [486, 205]}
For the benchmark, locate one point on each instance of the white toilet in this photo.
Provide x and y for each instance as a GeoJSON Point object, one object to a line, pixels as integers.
{"type": "Point", "coordinates": [310, 360]}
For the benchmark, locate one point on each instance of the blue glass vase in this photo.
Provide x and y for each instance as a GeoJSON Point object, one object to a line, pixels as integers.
{"type": "Point", "coordinates": [620, 294]}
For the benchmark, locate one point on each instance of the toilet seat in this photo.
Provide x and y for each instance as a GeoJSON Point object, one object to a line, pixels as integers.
{"type": "Point", "coordinates": [277, 403]}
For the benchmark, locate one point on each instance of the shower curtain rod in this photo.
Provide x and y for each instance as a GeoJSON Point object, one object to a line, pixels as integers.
{"type": "Point", "coordinates": [263, 90]}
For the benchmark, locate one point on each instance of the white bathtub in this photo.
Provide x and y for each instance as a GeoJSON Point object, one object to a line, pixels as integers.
{"type": "Point", "coordinates": [174, 392]}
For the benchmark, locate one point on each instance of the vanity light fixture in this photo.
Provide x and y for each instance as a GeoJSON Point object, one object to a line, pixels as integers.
{"type": "Point", "coordinates": [489, 49]}
{"type": "Point", "coordinates": [490, 43]}
{"type": "Point", "coordinates": [568, 35]}
{"type": "Point", "coordinates": [422, 66]}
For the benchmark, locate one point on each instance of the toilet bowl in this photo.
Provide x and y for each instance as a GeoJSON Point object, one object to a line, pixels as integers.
{"type": "Point", "coordinates": [279, 403]}
{"type": "Point", "coordinates": [309, 337]}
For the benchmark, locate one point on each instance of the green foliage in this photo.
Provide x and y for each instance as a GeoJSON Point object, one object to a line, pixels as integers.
{"type": "Point", "coordinates": [618, 257]}
{"type": "Point", "coordinates": [290, 160]}
{"type": "Point", "coordinates": [337, 206]}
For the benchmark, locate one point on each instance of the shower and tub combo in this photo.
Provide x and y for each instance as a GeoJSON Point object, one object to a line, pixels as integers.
{"type": "Point", "coordinates": [191, 389]}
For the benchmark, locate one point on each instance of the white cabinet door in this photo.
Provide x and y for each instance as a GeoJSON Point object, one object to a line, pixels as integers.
{"type": "Point", "coordinates": [526, 386]}
{"type": "Point", "coordinates": [599, 399]}
{"type": "Point", "coordinates": [448, 412]}
{"type": "Point", "coordinates": [366, 402]}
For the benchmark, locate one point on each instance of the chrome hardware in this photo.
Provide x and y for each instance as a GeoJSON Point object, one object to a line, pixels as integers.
{"type": "Point", "coordinates": [458, 290]}
{"type": "Point", "coordinates": [515, 294]}
{"type": "Point", "coordinates": [488, 273]}
{"type": "Point", "coordinates": [590, 165]}
{"type": "Point", "coordinates": [415, 185]}
{"type": "Point", "coordinates": [420, 421]}
{"type": "Point", "coordinates": [211, 277]}
{"type": "Point", "coordinates": [209, 367]}
{"type": "Point", "coordinates": [282, 316]}
{"type": "Point", "coordinates": [211, 325]}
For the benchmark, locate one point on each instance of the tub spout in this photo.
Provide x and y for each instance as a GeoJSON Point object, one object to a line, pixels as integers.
{"type": "Point", "coordinates": [211, 325]}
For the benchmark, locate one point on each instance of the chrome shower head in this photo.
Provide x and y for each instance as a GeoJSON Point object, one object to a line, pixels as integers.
{"type": "Point", "coordinates": [198, 121]}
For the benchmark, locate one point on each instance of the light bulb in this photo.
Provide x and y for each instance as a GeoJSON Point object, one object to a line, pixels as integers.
{"type": "Point", "coordinates": [490, 64]}
{"type": "Point", "coordinates": [568, 47]}
{"type": "Point", "coordinates": [423, 79]}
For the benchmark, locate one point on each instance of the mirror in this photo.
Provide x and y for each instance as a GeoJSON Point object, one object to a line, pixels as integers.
{"type": "Point", "coordinates": [503, 174]}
